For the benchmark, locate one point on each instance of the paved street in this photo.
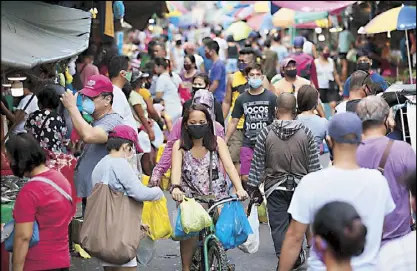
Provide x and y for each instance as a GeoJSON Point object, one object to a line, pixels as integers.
{"type": "Point", "coordinates": [168, 252]}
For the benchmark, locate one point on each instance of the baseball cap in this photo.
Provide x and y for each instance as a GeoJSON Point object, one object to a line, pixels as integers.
{"type": "Point", "coordinates": [126, 132]}
{"type": "Point", "coordinates": [298, 42]}
{"type": "Point", "coordinates": [344, 124]}
{"type": "Point", "coordinates": [285, 62]}
{"type": "Point", "coordinates": [96, 85]}
{"type": "Point", "coordinates": [138, 75]}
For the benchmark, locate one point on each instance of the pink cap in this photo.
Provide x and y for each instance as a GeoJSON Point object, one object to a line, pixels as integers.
{"type": "Point", "coordinates": [96, 85]}
{"type": "Point", "coordinates": [126, 132]}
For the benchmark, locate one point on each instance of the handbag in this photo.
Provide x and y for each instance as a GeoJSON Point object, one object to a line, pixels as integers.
{"type": "Point", "coordinates": [111, 229]}
{"type": "Point", "coordinates": [8, 233]}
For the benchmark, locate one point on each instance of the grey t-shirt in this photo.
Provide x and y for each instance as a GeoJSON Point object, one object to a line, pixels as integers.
{"type": "Point", "coordinates": [259, 112]}
{"type": "Point", "coordinates": [91, 155]}
{"type": "Point", "coordinates": [119, 175]}
{"type": "Point", "coordinates": [317, 125]}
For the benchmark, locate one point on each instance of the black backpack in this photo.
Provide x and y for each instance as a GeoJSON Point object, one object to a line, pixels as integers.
{"type": "Point", "coordinates": [77, 83]}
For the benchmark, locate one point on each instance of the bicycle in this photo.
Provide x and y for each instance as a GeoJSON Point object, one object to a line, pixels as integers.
{"type": "Point", "coordinates": [210, 254]}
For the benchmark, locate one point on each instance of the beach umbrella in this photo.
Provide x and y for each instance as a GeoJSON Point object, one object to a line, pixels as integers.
{"type": "Point", "coordinates": [285, 17]}
{"type": "Point", "coordinates": [176, 6]}
{"type": "Point", "coordinates": [315, 6]}
{"type": "Point", "coordinates": [400, 18]}
{"type": "Point", "coordinates": [239, 30]}
{"type": "Point", "coordinates": [261, 21]}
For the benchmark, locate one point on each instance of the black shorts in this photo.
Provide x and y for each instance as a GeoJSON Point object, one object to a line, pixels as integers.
{"type": "Point", "coordinates": [342, 55]}
{"type": "Point", "coordinates": [329, 95]}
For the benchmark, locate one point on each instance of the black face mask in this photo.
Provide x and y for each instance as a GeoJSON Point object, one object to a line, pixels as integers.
{"type": "Point", "coordinates": [195, 89]}
{"type": "Point", "coordinates": [147, 85]}
{"type": "Point", "coordinates": [198, 131]}
{"type": "Point", "coordinates": [291, 73]}
{"type": "Point", "coordinates": [16, 171]}
{"type": "Point", "coordinates": [363, 66]}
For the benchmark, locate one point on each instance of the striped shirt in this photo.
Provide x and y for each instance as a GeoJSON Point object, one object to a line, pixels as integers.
{"type": "Point", "coordinates": [283, 149]}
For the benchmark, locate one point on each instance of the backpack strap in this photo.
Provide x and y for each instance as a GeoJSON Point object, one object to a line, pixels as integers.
{"type": "Point", "coordinates": [384, 158]}
{"type": "Point", "coordinates": [54, 185]}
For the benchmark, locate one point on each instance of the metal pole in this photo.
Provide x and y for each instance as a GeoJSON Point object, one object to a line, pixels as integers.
{"type": "Point", "coordinates": [408, 56]}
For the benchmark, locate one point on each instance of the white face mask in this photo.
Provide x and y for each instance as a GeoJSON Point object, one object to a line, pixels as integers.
{"type": "Point", "coordinates": [130, 155]}
{"type": "Point", "coordinates": [71, 68]}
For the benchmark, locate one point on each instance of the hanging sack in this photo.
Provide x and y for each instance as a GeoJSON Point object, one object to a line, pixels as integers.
{"type": "Point", "coordinates": [233, 227]}
{"type": "Point", "coordinates": [252, 243]}
{"type": "Point", "coordinates": [111, 229]}
{"type": "Point", "coordinates": [155, 215]}
{"type": "Point", "coordinates": [8, 232]}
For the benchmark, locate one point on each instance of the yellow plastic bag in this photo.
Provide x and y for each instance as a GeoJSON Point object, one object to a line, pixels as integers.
{"type": "Point", "coordinates": [165, 183]}
{"type": "Point", "coordinates": [160, 152]}
{"type": "Point", "coordinates": [194, 217]}
{"type": "Point", "coordinates": [155, 215]}
{"type": "Point", "coordinates": [145, 180]}
{"type": "Point", "coordinates": [263, 218]}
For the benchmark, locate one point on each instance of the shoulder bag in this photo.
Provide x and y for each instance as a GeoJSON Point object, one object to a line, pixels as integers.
{"type": "Point", "coordinates": [384, 158]}
{"type": "Point", "coordinates": [111, 229]}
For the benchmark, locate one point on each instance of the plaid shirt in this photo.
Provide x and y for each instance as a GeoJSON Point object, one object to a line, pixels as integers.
{"type": "Point", "coordinates": [258, 166]}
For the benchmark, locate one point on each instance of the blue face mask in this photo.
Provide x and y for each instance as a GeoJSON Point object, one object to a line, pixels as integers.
{"type": "Point", "coordinates": [88, 106]}
{"type": "Point", "coordinates": [241, 66]}
{"type": "Point", "coordinates": [255, 82]}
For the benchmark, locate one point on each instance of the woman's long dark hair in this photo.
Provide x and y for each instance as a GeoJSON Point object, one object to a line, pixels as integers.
{"type": "Point", "coordinates": [165, 63]}
{"type": "Point", "coordinates": [209, 139]}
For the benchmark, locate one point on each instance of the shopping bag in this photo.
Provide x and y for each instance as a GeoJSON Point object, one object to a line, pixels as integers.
{"type": "Point", "coordinates": [8, 235]}
{"type": "Point", "coordinates": [233, 227]}
{"type": "Point", "coordinates": [146, 251]}
{"type": "Point", "coordinates": [155, 215]}
{"type": "Point", "coordinates": [263, 218]}
{"type": "Point", "coordinates": [194, 217]}
{"type": "Point", "coordinates": [252, 243]}
{"type": "Point", "coordinates": [112, 229]}
{"type": "Point", "coordinates": [179, 234]}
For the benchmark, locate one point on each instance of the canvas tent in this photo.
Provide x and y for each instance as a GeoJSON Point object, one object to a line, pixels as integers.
{"type": "Point", "coordinates": [33, 33]}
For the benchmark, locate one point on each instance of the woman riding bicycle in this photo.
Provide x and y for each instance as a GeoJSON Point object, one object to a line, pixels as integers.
{"type": "Point", "coordinates": [190, 167]}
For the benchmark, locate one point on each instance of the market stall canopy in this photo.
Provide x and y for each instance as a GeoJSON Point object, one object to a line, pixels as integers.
{"type": "Point", "coordinates": [314, 6]}
{"type": "Point", "coordinates": [285, 17]}
{"type": "Point", "coordinates": [400, 18]}
{"type": "Point", "coordinates": [51, 33]}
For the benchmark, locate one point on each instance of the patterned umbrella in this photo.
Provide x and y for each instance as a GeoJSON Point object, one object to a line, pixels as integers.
{"type": "Point", "coordinates": [285, 17]}
{"type": "Point", "coordinates": [401, 18]}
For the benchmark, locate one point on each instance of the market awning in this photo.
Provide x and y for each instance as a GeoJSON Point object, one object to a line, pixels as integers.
{"type": "Point", "coordinates": [314, 6]}
{"type": "Point", "coordinates": [35, 32]}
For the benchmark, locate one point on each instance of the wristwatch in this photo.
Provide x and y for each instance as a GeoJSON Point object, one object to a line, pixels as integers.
{"type": "Point", "coordinates": [175, 186]}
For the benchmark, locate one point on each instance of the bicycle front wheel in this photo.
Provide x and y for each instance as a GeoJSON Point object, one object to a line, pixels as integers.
{"type": "Point", "coordinates": [217, 258]}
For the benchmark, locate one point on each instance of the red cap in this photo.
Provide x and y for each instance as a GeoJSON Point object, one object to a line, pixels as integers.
{"type": "Point", "coordinates": [96, 85]}
{"type": "Point", "coordinates": [126, 132]}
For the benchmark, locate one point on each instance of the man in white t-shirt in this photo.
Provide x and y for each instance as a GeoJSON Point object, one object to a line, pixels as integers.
{"type": "Point", "coordinates": [366, 189]}
{"type": "Point", "coordinates": [222, 44]}
{"type": "Point", "coordinates": [400, 254]}
{"type": "Point", "coordinates": [120, 73]}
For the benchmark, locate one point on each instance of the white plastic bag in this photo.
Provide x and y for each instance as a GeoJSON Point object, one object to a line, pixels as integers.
{"type": "Point", "coordinates": [252, 243]}
{"type": "Point", "coordinates": [146, 251]}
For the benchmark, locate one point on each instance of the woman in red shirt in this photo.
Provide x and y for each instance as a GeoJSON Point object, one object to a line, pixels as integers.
{"type": "Point", "coordinates": [41, 202]}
